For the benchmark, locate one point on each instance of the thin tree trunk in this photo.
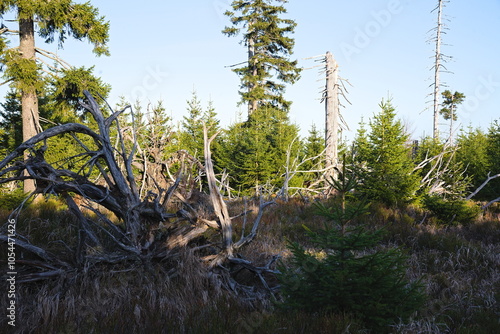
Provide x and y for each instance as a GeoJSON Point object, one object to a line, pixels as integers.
{"type": "Point", "coordinates": [437, 68]}
{"type": "Point", "coordinates": [331, 114]}
{"type": "Point", "coordinates": [29, 100]}
{"type": "Point", "coordinates": [451, 122]}
{"type": "Point", "coordinates": [252, 103]}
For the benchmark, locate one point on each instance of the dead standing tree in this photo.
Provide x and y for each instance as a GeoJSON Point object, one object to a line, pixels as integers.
{"type": "Point", "coordinates": [439, 59]}
{"type": "Point", "coordinates": [332, 114]}
{"type": "Point", "coordinates": [146, 230]}
{"type": "Point", "coordinates": [334, 121]}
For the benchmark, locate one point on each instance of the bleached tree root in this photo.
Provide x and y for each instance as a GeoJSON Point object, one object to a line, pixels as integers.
{"type": "Point", "coordinates": [146, 231]}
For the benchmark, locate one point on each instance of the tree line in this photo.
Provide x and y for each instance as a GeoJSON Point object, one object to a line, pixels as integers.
{"type": "Point", "coordinates": [260, 154]}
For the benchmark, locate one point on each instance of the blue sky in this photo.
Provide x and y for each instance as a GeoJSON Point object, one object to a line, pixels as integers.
{"type": "Point", "coordinates": [165, 49]}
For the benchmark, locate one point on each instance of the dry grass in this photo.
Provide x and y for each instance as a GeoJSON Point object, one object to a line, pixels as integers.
{"type": "Point", "coordinates": [124, 299]}
{"type": "Point", "coordinates": [459, 266]}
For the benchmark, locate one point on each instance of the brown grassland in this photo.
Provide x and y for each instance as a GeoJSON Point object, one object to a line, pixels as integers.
{"type": "Point", "coordinates": [458, 265]}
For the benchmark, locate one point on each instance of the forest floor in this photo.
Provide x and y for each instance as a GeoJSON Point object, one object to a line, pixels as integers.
{"type": "Point", "coordinates": [459, 267]}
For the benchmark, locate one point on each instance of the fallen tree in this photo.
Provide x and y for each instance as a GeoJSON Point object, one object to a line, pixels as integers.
{"type": "Point", "coordinates": [144, 230]}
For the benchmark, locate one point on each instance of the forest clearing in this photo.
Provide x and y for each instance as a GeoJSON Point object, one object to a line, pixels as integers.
{"type": "Point", "coordinates": [120, 219]}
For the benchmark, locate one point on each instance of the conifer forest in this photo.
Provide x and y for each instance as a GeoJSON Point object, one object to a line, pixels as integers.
{"type": "Point", "coordinates": [126, 216]}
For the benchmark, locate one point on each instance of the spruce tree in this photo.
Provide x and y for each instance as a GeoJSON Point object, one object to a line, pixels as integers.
{"type": "Point", "coordinates": [66, 90]}
{"type": "Point", "coordinates": [472, 146]}
{"type": "Point", "coordinates": [441, 170]}
{"type": "Point", "coordinates": [192, 128]}
{"type": "Point", "coordinates": [249, 158]}
{"type": "Point", "coordinates": [361, 147]}
{"type": "Point", "coordinates": [158, 133]}
{"type": "Point", "coordinates": [313, 147]}
{"type": "Point", "coordinates": [389, 177]}
{"type": "Point", "coordinates": [493, 152]}
{"type": "Point", "coordinates": [268, 67]}
{"type": "Point", "coordinates": [349, 272]}
{"type": "Point", "coordinates": [51, 20]}
{"type": "Point", "coordinates": [315, 144]}
{"type": "Point", "coordinates": [191, 132]}
{"type": "Point", "coordinates": [255, 151]}
{"type": "Point", "coordinates": [190, 135]}
{"type": "Point", "coordinates": [449, 110]}
{"type": "Point", "coordinates": [10, 123]}
{"type": "Point", "coordinates": [430, 148]}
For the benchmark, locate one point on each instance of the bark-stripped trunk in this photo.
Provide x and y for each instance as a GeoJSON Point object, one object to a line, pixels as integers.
{"type": "Point", "coordinates": [220, 208]}
{"type": "Point", "coordinates": [332, 114]}
{"type": "Point", "coordinates": [252, 103]}
{"type": "Point", "coordinates": [29, 100]}
{"type": "Point", "coordinates": [437, 68]}
{"type": "Point", "coordinates": [147, 231]}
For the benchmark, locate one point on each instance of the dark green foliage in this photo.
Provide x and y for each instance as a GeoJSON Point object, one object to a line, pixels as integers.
{"type": "Point", "coordinates": [254, 152]}
{"type": "Point", "coordinates": [63, 18]}
{"type": "Point", "coordinates": [370, 286]}
{"type": "Point", "coordinates": [472, 146]}
{"type": "Point", "coordinates": [445, 170]}
{"type": "Point", "coordinates": [361, 146]}
{"type": "Point", "coordinates": [80, 21]}
{"type": "Point", "coordinates": [269, 46]}
{"type": "Point", "coordinates": [314, 146]}
{"type": "Point", "coordinates": [55, 108]}
{"type": "Point", "coordinates": [157, 135]}
{"type": "Point", "coordinates": [10, 123]}
{"type": "Point", "coordinates": [452, 211]}
{"type": "Point", "coordinates": [349, 273]}
{"type": "Point", "coordinates": [60, 148]}
{"type": "Point", "coordinates": [12, 199]}
{"type": "Point", "coordinates": [68, 87]}
{"type": "Point", "coordinates": [386, 159]}
{"type": "Point", "coordinates": [313, 149]}
{"type": "Point", "coordinates": [248, 159]}
{"type": "Point", "coordinates": [493, 152]}
{"type": "Point", "coordinates": [191, 134]}
{"type": "Point", "coordinates": [35, 78]}
{"type": "Point", "coordinates": [450, 103]}
{"type": "Point", "coordinates": [54, 19]}
{"type": "Point", "coordinates": [428, 147]}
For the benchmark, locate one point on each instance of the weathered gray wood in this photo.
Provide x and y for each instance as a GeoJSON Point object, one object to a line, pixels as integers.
{"type": "Point", "coordinates": [253, 233]}
{"type": "Point", "coordinates": [490, 177]}
{"type": "Point", "coordinates": [146, 230]}
{"type": "Point", "coordinates": [437, 70]}
{"type": "Point", "coordinates": [332, 115]}
{"type": "Point", "coordinates": [220, 208]}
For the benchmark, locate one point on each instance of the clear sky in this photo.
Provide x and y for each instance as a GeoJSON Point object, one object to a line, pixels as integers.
{"type": "Point", "coordinates": [165, 49]}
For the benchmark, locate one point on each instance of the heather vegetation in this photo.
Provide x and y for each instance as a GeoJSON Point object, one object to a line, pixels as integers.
{"type": "Point", "coordinates": [140, 223]}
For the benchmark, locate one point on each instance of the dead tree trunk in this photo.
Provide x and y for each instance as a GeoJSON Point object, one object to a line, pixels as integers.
{"type": "Point", "coordinates": [253, 103]}
{"type": "Point", "coordinates": [437, 70]}
{"type": "Point", "coordinates": [221, 211]}
{"type": "Point", "coordinates": [332, 115]}
{"type": "Point", "coordinates": [220, 207]}
{"type": "Point", "coordinates": [146, 230]}
{"type": "Point", "coordinates": [334, 122]}
{"type": "Point", "coordinates": [474, 193]}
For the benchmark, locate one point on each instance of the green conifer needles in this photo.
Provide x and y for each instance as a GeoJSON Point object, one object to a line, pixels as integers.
{"type": "Point", "coordinates": [348, 270]}
{"type": "Point", "coordinates": [268, 67]}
